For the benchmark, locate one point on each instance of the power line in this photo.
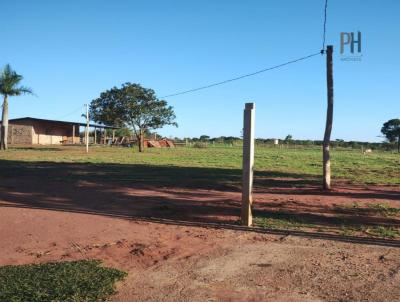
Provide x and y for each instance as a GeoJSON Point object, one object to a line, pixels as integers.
{"type": "Point", "coordinates": [72, 112]}
{"type": "Point", "coordinates": [243, 76]}
{"type": "Point", "coordinates": [324, 31]}
{"type": "Point", "coordinates": [322, 51]}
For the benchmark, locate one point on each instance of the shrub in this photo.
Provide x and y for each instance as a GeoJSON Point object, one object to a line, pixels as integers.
{"type": "Point", "coordinates": [200, 145]}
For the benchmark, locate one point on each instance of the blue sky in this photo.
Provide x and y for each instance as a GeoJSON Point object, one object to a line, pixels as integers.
{"type": "Point", "coordinates": [71, 51]}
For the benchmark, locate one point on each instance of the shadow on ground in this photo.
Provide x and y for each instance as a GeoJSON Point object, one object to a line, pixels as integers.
{"type": "Point", "coordinates": [183, 195]}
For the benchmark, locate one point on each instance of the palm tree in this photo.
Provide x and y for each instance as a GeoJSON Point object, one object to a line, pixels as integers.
{"type": "Point", "coordinates": [9, 81]}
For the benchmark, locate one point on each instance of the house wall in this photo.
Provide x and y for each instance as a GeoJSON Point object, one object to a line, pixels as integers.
{"type": "Point", "coordinates": [19, 134]}
{"type": "Point", "coordinates": [50, 133]}
{"type": "Point", "coordinates": [44, 133]}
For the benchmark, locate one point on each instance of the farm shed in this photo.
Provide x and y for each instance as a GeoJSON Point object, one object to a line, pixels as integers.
{"type": "Point", "coordinates": [35, 131]}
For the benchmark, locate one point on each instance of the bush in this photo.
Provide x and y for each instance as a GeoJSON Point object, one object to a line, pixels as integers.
{"type": "Point", "coordinates": [200, 145]}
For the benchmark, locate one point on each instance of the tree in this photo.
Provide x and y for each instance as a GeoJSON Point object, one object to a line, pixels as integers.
{"type": "Point", "coordinates": [391, 130]}
{"type": "Point", "coordinates": [132, 106]}
{"type": "Point", "coordinates": [288, 138]}
{"type": "Point", "coordinates": [204, 138]}
{"type": "Point", "coordinates": [9, 81]}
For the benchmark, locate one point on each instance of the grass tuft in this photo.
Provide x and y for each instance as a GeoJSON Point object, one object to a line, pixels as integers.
{"type": "Point", "coordinates": [283, 221]}
{"type": "Point", "coordinates": [384, 209]}
{"type": "Point", "coordinates": [83, 280]}
{"type": "Point", "coordinates": [279, 221]}
{"type": "Point", "coordinates": [382, 231]}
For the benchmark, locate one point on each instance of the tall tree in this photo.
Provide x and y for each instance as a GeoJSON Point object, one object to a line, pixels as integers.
{"type": "Point", "coordinates": [132, 106]}
{"type": "Point", "coordinates": [391, 129]}
{"type": "Point", "coordinates": [9, 86]}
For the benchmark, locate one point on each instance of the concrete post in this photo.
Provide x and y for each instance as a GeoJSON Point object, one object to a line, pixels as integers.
{"type": "Point", "coordinates": [248, 163]}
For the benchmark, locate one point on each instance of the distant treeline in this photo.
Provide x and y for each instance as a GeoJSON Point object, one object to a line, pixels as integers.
{"type": "Point", "coordinates": [268, 142]}
{"type": "Point", "coordinates": [232, 140]}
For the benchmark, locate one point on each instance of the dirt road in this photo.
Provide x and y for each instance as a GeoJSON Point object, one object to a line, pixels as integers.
{"type": "Point", "coordinates": [181, 263]}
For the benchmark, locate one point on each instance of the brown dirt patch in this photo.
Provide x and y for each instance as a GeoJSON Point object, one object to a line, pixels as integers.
{"type": "Point", "coordinates": [57, 220]}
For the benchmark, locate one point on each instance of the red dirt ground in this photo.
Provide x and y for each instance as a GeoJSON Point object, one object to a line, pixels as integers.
{"type": "Point", "coordinates": [172, 260]}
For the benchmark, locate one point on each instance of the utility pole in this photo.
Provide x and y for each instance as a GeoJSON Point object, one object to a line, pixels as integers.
{"type": "Point", "coordinates": [248, 163]}
{"type": "Point", "coordinates": [87, 128]}
{"type": "Point", "coordinates": [329, 120]}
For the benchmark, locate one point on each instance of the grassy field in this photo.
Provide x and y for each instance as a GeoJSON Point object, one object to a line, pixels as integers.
{"type": "Point", "coordinates": [347, 164]}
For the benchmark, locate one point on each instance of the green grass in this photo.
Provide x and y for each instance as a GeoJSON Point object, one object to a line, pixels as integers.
{"type": "Point", "coordinates": [383, 231]}
{"type": "Point", "coordinates": [347, 164]}
{"type": "Point", "coordinates": [379, 208]}
{"type": "Point", "coordinates": [75, 281]}
{"type": "Point", "coordinates": [384, 209]}
{"type": "Point", "coordinates": [282, 221]}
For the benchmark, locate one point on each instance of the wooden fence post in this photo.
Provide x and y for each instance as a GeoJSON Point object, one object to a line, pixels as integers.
{"type": "Point", "coordinates": [73, 134]}
{"type": "Point", "coordinates": [12, 134]}
{"type": "Point", "coordinates": [248, 163]}
{"type": "Point", "coordinates": [87, 129]}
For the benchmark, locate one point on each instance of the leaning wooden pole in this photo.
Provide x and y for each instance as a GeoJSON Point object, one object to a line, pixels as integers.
{"type": "Point", "coordinates": [248, 163]}
{"type": "Point", "coordinates": [329, 120]}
